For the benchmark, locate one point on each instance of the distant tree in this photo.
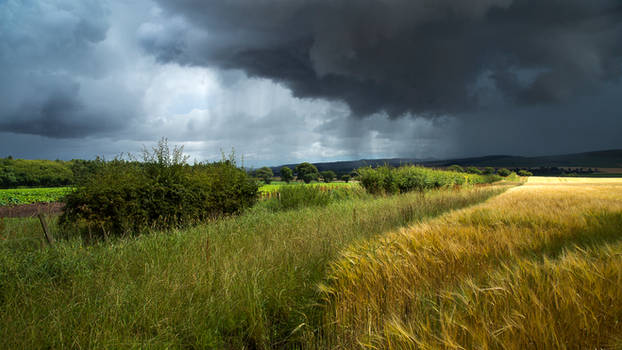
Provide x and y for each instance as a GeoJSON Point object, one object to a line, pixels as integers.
{"type": "Point", "coordinates": [345, 178]}
{"type": "Point", "coordinates": [328, 175]}
{"type": "Point", "coordinates": [354, 175]}
{"type": "Point", "coordinates": [265, 174]}
{"type": "Point", "coordinates": [488, 170]}
{"type": "Point", "coordinates": [473, 170]}
{"type": "Point", "coordinates": [457, 168]}
{"type": "Point", "coordinates": [307, 172]}
{"type": "Point", "coordinates": [287, 174]}
{"type": "Point", "coordinates": [10, 158]}
{"type": "Point", "coordinates": [308, 177]}
{"type": "Point", "coordinates": [524, 172]}
{"type": "Point", "coordinates": [504, 172]}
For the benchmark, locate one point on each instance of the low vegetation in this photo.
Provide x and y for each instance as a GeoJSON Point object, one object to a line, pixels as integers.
{"type": "Point", "coordinates": [388, 180]}
{"type": "Point", "coordinates": [538, 267]}
{"type": "Point", "coordinates": [32, 195]}
{"type": "Point", "coordinates": [162, 192]}
{"type": "Point", "coordinates": [248, 281]}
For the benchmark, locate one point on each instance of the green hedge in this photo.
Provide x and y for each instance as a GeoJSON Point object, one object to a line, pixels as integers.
{"type": "Point", "coordinates": [131, 197]}
{"type": "Point", "coordinates": [404, 179]}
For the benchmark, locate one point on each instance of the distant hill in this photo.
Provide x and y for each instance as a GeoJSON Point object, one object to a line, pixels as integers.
{"type": "Point", "coordinates": [597, 159]}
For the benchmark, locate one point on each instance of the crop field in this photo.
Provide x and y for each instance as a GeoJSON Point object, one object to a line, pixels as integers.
{"type": "Point", "coordinates": [536, 264]}
{"type": "Point", "coordinates": [539, 266]}
{"type": "Point", "coordinates": [32, 195]}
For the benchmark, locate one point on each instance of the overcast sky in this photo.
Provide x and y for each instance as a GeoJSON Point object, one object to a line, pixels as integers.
{"type": "Point", "coordinates": [285, 81]}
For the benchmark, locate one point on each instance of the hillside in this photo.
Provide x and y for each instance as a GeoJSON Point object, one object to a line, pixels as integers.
{"type": "Point", "coordinates": [597, 159]}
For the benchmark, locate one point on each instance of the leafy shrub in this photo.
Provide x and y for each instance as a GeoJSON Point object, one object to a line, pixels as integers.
{"type": "Point", "coordinates": [387, 180]}
{"type": "Point", "coordinates": [455, 167]}
{"type": "Point", "coordinates": [488, 170]}
{"type": "Point", "coordinates": [503, 172]}
{"type": "Point", "coordinates": [524, 172]}
{"type": "Point", "coordinates": [473, 170]}
{"type": "Point", "coordinates": [162, 192]}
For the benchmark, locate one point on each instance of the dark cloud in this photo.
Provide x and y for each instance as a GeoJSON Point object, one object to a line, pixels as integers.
{"type": "Point", "coordinates": [55, 75]}
{"type": "Point", "coordinates": [401, 56]}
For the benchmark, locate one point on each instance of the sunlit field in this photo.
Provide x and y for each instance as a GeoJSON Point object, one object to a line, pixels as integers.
{"type": "Point", "coordinates": [538, 267]}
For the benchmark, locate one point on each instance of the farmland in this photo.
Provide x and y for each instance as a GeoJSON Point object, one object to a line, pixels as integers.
{"type": "Point", "coordinates": [32, 195]}
{"type": "Point", "coordinates": [506, 265]}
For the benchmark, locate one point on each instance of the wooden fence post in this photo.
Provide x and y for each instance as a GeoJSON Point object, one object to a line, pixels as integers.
{"type": "Point", "coordinates": [44, 225]}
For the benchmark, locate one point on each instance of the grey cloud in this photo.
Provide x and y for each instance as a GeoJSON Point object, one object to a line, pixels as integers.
{"type": "Point", "coordinates": [404, 56]}
{"type": "Point", "coordinates": [55, 75]}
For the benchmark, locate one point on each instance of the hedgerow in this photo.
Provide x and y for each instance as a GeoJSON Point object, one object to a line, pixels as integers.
{"type": "Point", "coordinates": [404, 179]}
{"type": "Point", "coordinates": [162, 192]}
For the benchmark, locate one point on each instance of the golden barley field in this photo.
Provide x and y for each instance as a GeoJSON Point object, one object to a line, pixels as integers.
{"type": "Point", "coordinates": [538, 267]}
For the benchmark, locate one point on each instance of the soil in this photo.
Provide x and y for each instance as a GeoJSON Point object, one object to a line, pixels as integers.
{"type": "Point", "coordinates": [28, 210]}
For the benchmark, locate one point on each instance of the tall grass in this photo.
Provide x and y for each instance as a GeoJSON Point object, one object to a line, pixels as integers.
{"type": "Point", "coordinates": [538, 267]}
{"type": "Point", "coordinates": [303, 195]}
{"type": "Point", "coordinates": [244, 282]}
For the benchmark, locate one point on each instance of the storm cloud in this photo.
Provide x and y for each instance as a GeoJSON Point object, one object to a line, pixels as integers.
{"type": "Point", "coordinates": [283, 81]}
{"type": "Point", "coordinates": [403, 56]}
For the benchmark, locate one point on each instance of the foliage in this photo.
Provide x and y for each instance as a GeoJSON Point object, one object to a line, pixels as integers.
{"type": "Point", "coordinates": [243, 282]}
{"type": "Point", "coordinates": [488, 170]}
{"type": "Point", "coordinates": [456, 168]}
{"type": "Point", "coordinates": [307, 172]}
{"type": "Point", "coordinates": [163, 192]}
{"type": "Point", "coordinates": [473, 170]}
{"type": "Point", "coordinates": [328, 175]}
{"type": "Point", "coordinates": [287, 174]}
{"type": "Point", "coordinates": [304, 195]}
{"type": "Point", "coordinates": [524, 172]}
{"type": "Point", "coordinates": [345, 178]}
{"type": "Point", "coordinates": [265, 174]}
{"type": "Point", "coordinates": [34, 173]}
{"type": "Point", "coordinates": [387, 180]}
{"type": "Point", "coordinates": [32, 195]}
{"type": "Point", "coordinates": [503, 172]}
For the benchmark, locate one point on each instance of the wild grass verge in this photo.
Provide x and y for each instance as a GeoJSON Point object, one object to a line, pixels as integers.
{"type": "Point", "coordinates": [539, 266]}
{"type": "Point", "coordinates": [244, 282]}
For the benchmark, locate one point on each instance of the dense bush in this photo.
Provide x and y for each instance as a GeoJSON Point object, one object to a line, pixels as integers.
{"type": "Point", "coordinates": [455, 167]}
{"type": "Point", "coordinates": [389, 180]}
{"type": "Point", "coordinates": [524, 172]}
{"type": "Point", "coordinates": [162, 192]}
{"type": "Point", "coordinates": [473, 170]}
{"type": "Point", "coordinates": [503, 172]}
{"type": "Point", "coordinates": [34, 173]}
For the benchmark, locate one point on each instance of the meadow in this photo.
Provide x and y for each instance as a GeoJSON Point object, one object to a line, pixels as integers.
{"type": "Point", "coordinates": [19, 196]}
{"type": "Point", "coordinates": [248, 281]}
{"type": "Point", "coordinates": [509, 265]}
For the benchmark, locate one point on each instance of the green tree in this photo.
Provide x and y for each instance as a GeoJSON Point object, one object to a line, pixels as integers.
{"type": "Point", "coordinates": [328, 175]}
{"type": "Point", "coordinates": [455, 167]}
{"type": "Point", "coordinates": [265, 174]}
{"type": "Point", "coordinates": [287, 174]}
{"type": "Point", "coordinates": [524, 172]}
{"type": "Point", "coordinates": [473, 170]}
{"type": "Point", "coordinates": [307, 172]}
{"type": "Point", "coordinates": [504, 172]}
{"type": "Point", "coordinates": [345, 178]}
{"type": "Point", "coordinates": [489, 170]}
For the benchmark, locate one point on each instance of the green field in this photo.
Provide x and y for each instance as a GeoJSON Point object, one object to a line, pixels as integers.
{"type": "Point", "coordinates": [32, 195]}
